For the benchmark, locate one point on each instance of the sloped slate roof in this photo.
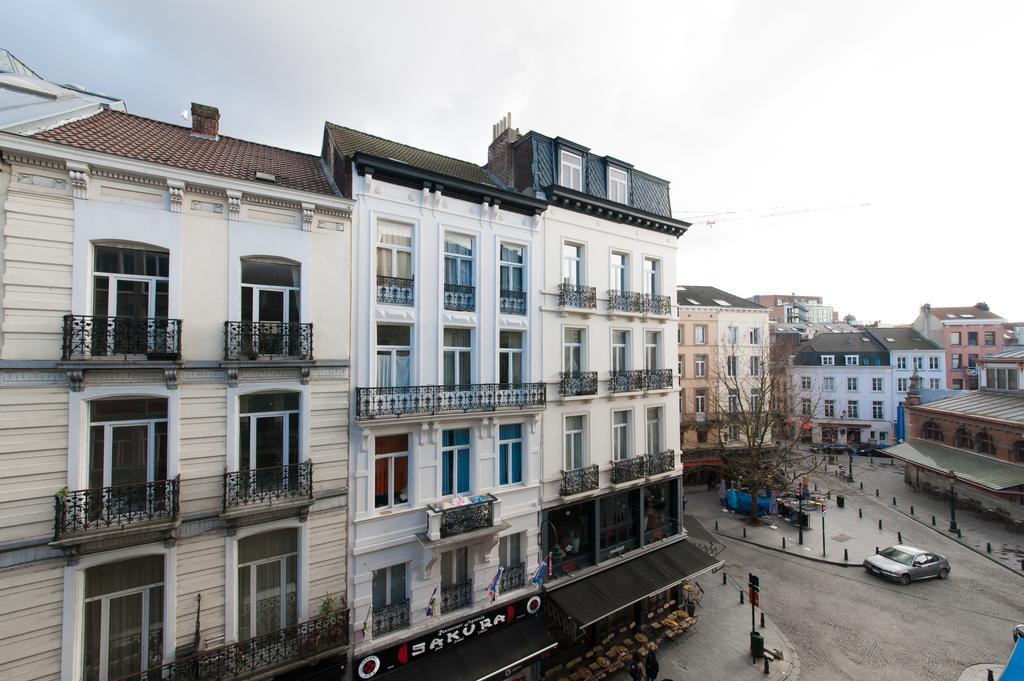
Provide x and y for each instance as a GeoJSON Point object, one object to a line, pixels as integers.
{"type": "Point", "coordinates": [958, 313]}
{"type": "Point", "coordinates": [349, 142]}
{"type": "Point", "coordinates": [902, 338]}
{"type": "Point", "coordinates": [998, 406]}
{"type": "Point", "coordinates": [709, 296]}
{"type": "Point", "coordinates": [145, 139]}
{"type": "Point", "coordinates": [981, 470]}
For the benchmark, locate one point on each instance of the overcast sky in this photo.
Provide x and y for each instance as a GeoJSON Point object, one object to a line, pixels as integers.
{"type": "Point", "coordinates": [912, 107]}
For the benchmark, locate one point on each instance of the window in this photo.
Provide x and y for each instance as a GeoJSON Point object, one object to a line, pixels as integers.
{"type": "Point", "coordinates": [901, 385]}
{"type": "Point", "coordinates": [389, 586]}
{"type": "Point", "coordinates": [732, 365]}
{"type": "Point", "coordinates": [877, 411]}
{"type": "Point", "coordinates": [733, 335]}
{"type": "Point", "coordinates": [267, 578]}
{"type": "Point", "coordinates": [990, 338]}
{"type": "Point", "coordinates": [394, 356]}
{"type": "Point", "coordinates": [510, 357]}
{"type": "Point", "coordinates": [1018, 451]}
{"type": "Point", "coordinates": [510, 551]}
{"type": "Point", "coordinates": [932, 431]}
{"type": "Point", "coordinates": [828, 384]}
{"type": "Point", "coordinates": [934, 383]}
{"type": "Point", "coordinates": [654, 430]}
{"type": "Point", "coordinates": [620, 435]}
{"type": "Point", "coordinates": [571, 170]}
{"type": "Point", "coordinates": [620, 351]}
{"type": "Point", "coordinates": [734, 402]}
{"type": "Point", "coordinates": [652, 347]}
{"type": "Point", "coordinates": [123, 622]}
{"type": "Point", "coordinates": [454, 572]}
{"type": "Point", "coordinates": [853, 409]}
{"type": "Point", "coordinates": [755, 336]}
{"type": "Point", "coordinates": [851, 384]}
{"type": "Point", "coordinates": [830, 408]}
{"type": "Point", "coordinates": [394, 250]}
{"type": "Point", "coordinates": [828, 360]}
{"type": "Point", "coordinates": [454, 462]}
{"type": "Point", "coordinates": [700, 334]}
{"type": "Point", "coordinates": [983, 441]}
{"type": "Point", "coordinates": [129, 282]}
{"type": "Point", "coordinates": [876, 385]}
{"type": "Point", "coordinates": [851, 360]}
{"type": "Point", "coordinates": [457, 357]}
{"type": "Point", "coordinates": [1001, 379]}
{"type": "Point", "coordinates": [958, 384]}
{"type": "Point", "coordinates": [391, 470]}
{"type": "Point", "coordinates": [956, 360]}
{"type": "Point", "coordinates": [805, 407]}
{"type": "Point", "coordinates": [805, 382]}
{"type": "Point", "coordinates": [972, 360]}
{"type": "Point", "coordinates": [700, 366]}
{"type": "Point", "coordinates": [702, 435]}
{"type": "Point", "coordinates": [574, 442]}
{"type": "Point", "coordinates": [964, 439]}
{"type": "Point", "coordinates": [458, 259]}
{"type": "Point", "coordinates": [572, 264]}
{"type": "Point", "coordinates": [127, 447]}
{"type": "Point", "coordinates": [733, 433]}
{"type": "Point", "coordinates": [755, 400]}
{"type": "Point", "coordinates": [954, 338]}
{"type": "Point", "coordinates": [620, 272]}
{"type": "Point", "coordinates": [883, 436]}
{"type": "Point", "coordinates": [918, 363]}
{"type": "Point", "coordinates": [618, 185]}
{"type": "Point", "coordinates": [679, 335]}
{"type": "Point", "coordinates": [679, 369]}
{"type": "Point", "coordinates": [901, 363]}
{"type": "Point", "coordinates": [700, 401]}
{"type": "Point", "coordinates": [572, 350]}
{"type": "Point", "coordinates": [972, 337]}
{"type": "Point", "coordinates": [652, 276]}
{"type": "Point", "coordinates": [933, 363]}
{"type": "Point", "coordinates": [512, 268]}
{"type": "Point", "coordinates": [270, 291]}
{"type": "Point", "coordinates": [268, 436]}
{"type": "Point", "coordinates": [755, 366]}
{"type": "Point", "coordinates": [510, 454]}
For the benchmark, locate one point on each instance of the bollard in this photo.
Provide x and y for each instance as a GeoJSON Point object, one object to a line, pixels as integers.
{"type": "Point", "coordinates": [876, 550]}
{"type": "Point", "coordinates": [716, 526]}
{"type": "Point", "coordinates": [860, 512]}
{"type": "Point", "coordinates": [894, 501]}
{"type": "Point", "coordinates": [1022, 565]}
{"type": "Point", "coordinates": [828, 494]}
{"type": "Point", "coordinates": [899, 537]}
{"type": "Point", "coordinates": [959, 533]}
{"type": "Point", "coordinates": [744, 533]}
{"type": "Point", "coordinates": [911, 510]}
{"type": "Point", "coordinates": [862, 484]}
{"type": "Point", "coordinates": [876, 491]}
{"type": "Point", "coordinates": [879, 523]}
{"type": "Point", "coordinates": [766, 669]}
{"type": "Point", "coordinates": [762, 620]}
{"type": "Point", "coordinates": [872, 461]}
{"type": "Point", "coordinates": [846, 554]}
{"type": "Point", "coordinates": [741, 596]}
{"type": "Point", "coordinates": [815, 487]}
{"type": "Point", "coordinates": [988, 547]}
{"type": "Point", "coordinates": [783, 542]}
{"type": "Point", "coordinates": [990, 676]}
{"type": "Point", "coordinates": [725, 579]}
{"type": "Point", "coordinates": [933, 520]}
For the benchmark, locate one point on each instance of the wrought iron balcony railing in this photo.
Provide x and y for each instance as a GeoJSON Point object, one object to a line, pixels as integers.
{"type": "Point", "coordinates": [573, 383]}
{"type": "Point", "coordinates": [253, 340]}
{"type": "Point", "coordinates": [662, 462]}
{"type": "Point", "coordinates": [118, 506]}
{"type": "Point", "coordinates": [457, 596]}
{"type": "Point", "coordinates": [270, 484]}
{"type": "Point", "coordinates": [396, 291]}
{"type": "Point", "coordinates": [626, 301]}
{"type": "Point", "coordinates": [444, 399]}
{"type": "Point", "coordinates": [579, 480]}
{"type": "Point", "coordinates": [85, 336]}
{"type": "Point", "coordinates": [457, 297]}
{"type": "Point", "coordinates": [632, 468]}
{"type": "Point", "coordinates": [574, 295]}
{"type": "Point", "coordinates": [392, 617]}
{"type": "Point", "coordinates": [626, 381]}
{"type": "Point", "coordinates": [513, 302]}
{"type": "Point", "coordinates": [514, 577]}
{"type": "Point", "coordinates": [256, 655]}
{"type": "Point", "coordinates": [656, 304]}
{"type": "Point", "coordinates": [657, 379]}
{"type": "Point", "coordinates": [465, 518]}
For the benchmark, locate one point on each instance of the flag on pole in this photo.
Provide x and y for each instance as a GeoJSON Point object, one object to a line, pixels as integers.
{"type": "Point", "coordinates": [551, 566]}
{"type": "Point", "coordinates": [492, 590]}
{"type": "Point", "coordinates": [538, 576]}
{"type": "Point", "coordinates": [368, 622]}
{"type": "Point", "coordinates": [432, 604]}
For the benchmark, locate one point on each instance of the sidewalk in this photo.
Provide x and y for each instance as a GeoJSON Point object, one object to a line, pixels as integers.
{"type": "Point", "coordinates": [718, 649]}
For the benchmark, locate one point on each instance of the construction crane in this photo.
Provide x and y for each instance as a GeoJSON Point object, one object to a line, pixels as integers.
{"type": "Point", "coordinates": [710, 219]}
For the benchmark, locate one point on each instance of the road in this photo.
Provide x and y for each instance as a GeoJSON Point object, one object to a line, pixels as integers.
{"type": "Point", "coordinates": [846, 624]}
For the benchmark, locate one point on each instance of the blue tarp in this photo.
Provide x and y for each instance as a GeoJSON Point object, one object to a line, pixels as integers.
{"type": "Point", "coordinates": [1015, 666]}
{"type": "Point", "coordinates": [740, 501]}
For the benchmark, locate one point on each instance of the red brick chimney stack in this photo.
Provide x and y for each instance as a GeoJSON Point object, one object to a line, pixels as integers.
{"type": "Point", "coordinates": [205, 120]}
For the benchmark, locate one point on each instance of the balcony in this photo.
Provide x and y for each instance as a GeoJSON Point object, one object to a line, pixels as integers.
{"type": "Point", "coordinates": [154, 338]}
{"type": "Point", "coordinates": [626, 381]}
{"type": "Point", "coordinates": [460, 298]}
{"type": "Point", "coordinates": [579, 480]}
{"type": "Point", "coordinates": [658, 379]}
{"type": "Point", "coordinates": [514, 577]}
{"type": "Point", "coordinates": [268, 485]}
{"type": "Point", "coordinates": [395, 291]}
{"type": "Point", "coordinates": [577, 383]}
{"type": "Point", "coordinates": [393, 617]}
{"type": "Point", "coordinates": [258, 340]}
{"type": "Point", "coordinates": [658, 304]}
{"type": "Point", "coordinates": [302, 643]}
{"type": "Point", "coordinates": [626, 470]}
{"type": "Point", "coordinates": [574, 295]}
{"type": "Point", "coordinates": [626, 301]}
{"type": "Point", "coordinates": [662, 462]}
{"type": "Point", "coordinates": [457, 596]}
{"type": "Point", "coordinates": [513, 302]}
{"type": "Point", "coordinates": [428, 400]}
{"type": "Point", "coordinates": [118, 507]}
{"type": "Point", "coordinates": [450, 519]}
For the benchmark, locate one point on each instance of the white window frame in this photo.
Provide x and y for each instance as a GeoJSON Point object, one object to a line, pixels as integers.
{"type": "Point", "coordinates": [618, 187]}
{"type": "Point", "coordinates": [395, 249]}
{"type": "Point", "coordinates": [511, 267]}
{"type": "Point", "coordinates": [579, 348]}
{"type": "Point", "coordinates": [933, 364]}
{"type": "Point", "coordinates": [829, 409]}
{"type": "Point", "coordinates": [281, 561]}
{"type": "Point", "coordinates": [255, 416]}
{"type": "Point", "coordinates": [393, 502]}
{"type": "Point", "coordinates": [901, 385]}
{"type": "Point", "coordinates": [851, 360]}
{"type": "Point", "coordinates": [453, 450]}
{"type": "Point", "coordinates": [619, 271]}
{"type": "Point", "coordinates": [620, 351]}
{"type": "Point", "coordinates": [755, 336]}
{"type": "Point", "coordinates": [390, 597]}
{"type": "Point", "coordinates": [392, 354]}
{"type": "Point", "coordinates": [457, 351]}
{"type": "Point", "coordinates": [853, 409]}
{"type": "Point", "coordinates": [459, 259]}
{"type": "Point", "coordinates": [878, 410]}
{"type": "Point", "coordinates": [901, 363]}
{"type": "Point", "coordinates": [513, 356]}
{"type": "Point", "coordinates": [700, 401]}
{"type": "Point", "coordinates": [652, 350]}
{"type": "Point", "coordinates": [805, 382]}
{"type": "Point", "coordinates": [573, 162]}
{"type": "Point", "coordinates": [852, 384]}
{"type": "Point", "coordinates": [828, 384]}
{"type": "Point", "coordinates": [755, 365]}
{"type": "Point", "coordinates": [658, 426]}
{"type": "Point", "coordinates": [574, 268]}
{"type": "Point", "coordinates": [828, 360]}
{"type": "Point", "coordinates": [700, 334]}
{"type": "Point", "coordinates": [877, 385]}
{"type": "Point", "coordinates": [700, 366]}
{"type": "Point", "coordinates": [574, 436]}
{"type": "Point", "coordinates": [652, 276]}
{"type": "Point", "coordinates": [622, 435]}
{"type": "Point", "coordinates": [919, 363]}
{"type": "Point", "coordinates": [522, 458]}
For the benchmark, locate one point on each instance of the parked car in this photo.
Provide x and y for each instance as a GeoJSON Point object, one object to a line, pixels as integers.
{"type": "Point", "coordinates": [904, 563]}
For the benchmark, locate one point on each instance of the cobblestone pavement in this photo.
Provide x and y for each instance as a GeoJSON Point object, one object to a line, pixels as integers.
{"type": "Point", "coordinates": [846, 624]}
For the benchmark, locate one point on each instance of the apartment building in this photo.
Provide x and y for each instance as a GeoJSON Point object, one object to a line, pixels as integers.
{"type": "Point", "coordinates": [174, 377]}
{"type": "Point", "coordinates": [910, 353]}
{"type": "Point", "coordinates": [723, 344]}
{"type": "Point", "coordinates": [967, 334]}
{"type": "Point", "coordinates": [794, 309]}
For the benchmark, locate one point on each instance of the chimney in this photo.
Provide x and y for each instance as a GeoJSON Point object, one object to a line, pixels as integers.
{"type": "Point", "coordinates": [205, 120]}
{"type": "Point", "coordinates": [500, 159]}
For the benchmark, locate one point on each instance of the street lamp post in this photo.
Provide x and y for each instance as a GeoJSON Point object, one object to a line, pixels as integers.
{"type": "Point", "coordinates": [952, 502]}
{"type": "Point", "coordinates": [800, 513]}
{"type": "Point", "coordinates": [849, 453]}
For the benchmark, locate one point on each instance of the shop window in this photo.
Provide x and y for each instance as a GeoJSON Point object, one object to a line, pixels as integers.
{"type": "Point", "coordinates": [569, 537]}
{"type": "Point", "coordinates": [620, 531]}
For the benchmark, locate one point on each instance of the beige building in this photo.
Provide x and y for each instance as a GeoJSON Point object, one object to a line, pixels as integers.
{"type": "Point", "coordinates": [174, 382]}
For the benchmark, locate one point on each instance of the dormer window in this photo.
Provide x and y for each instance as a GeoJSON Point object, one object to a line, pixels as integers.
{"type": "Point", "coordinates": [828, 360]}
{"type": "Point", "coordinates": [571, 170]}
{"type": "Point", "coordinates": [618, 185]}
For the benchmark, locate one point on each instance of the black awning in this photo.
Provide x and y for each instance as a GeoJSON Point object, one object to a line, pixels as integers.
{"type": "Point", "coordinates": [484, 658]}
{"type": "Point", "coordinates": [611, 590]}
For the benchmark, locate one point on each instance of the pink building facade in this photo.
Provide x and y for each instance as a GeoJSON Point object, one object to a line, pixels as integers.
{"type": "Point", "coordinates": [967, 334]}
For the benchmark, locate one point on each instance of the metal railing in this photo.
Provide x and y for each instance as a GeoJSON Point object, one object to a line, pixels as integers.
{"type": "Point", "coordinates": [457, 596]}
{"type": "Point", "coordinates": [458, 519]}
{"type": "Point", "coordinates": [632, 468]}
{"type": "Point", "coordinates": [444, 399]}
{"type": "Point", "coordinates": [626, 301]}
{"type": "Point", "coordinates": [574, 295]}
{"type": "Point", "coordinates": [514, 577]}
{"type": "Point", "coordinates": [86, 336]}
{"type": "Point", "coordinates": [252, 340]}
{"type": "Point", "coordinates": [117, 506]}
{"type": "Point", "coordinates": [392, 617]}
{"type": "Point", "coordinates": [656, 304]}
{"type": "Point", "coordinates": [573, 383]}
{"type": "Point", "coordinates": [458, 297]}
{"type": "Point", "coordinates": [662, 462]}
{"type": "Point", "coordinates": [255, 655]}
{"type": "Point", "coordinates": [395, 290]}
{"type": "Point", "coordinates": [631, 380]}
{"type": "Point", "coordinates": [269, 484]}
{"type": "Point", "coordinates": [656, 379]}
{"type": "Point", "coordinates": [579, 480]}
{"type": "Point", "coordinates": [513, 302]}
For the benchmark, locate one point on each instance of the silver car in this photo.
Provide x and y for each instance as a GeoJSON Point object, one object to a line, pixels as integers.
{"type": "Point", "coordinates": [904, 563]}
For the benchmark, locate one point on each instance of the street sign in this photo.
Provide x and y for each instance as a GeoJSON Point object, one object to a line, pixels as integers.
{"type": "Point", "coordinates": [754, 582]}
{"type": "Point", "coordinates": [755, 598]}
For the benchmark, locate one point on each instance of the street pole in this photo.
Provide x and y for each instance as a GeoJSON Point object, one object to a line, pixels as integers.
{"type": "Point", "coordinates": [800, 513]}
{"type": "Point", "coordinates": [952, 502]}
{"type": "Point", "coordinates": [823, 530]}
{"type": "Point", "coordinates": [851, 466]}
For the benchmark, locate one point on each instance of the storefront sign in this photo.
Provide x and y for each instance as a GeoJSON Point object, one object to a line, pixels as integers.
{"type": "Point", "coordinates": [445, 638]}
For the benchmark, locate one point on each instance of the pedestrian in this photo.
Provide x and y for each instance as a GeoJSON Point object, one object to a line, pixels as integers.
{"type": "Point", "coordinates": [652, 661]}
{"type": "Point", "coordinates": [637, 670]}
